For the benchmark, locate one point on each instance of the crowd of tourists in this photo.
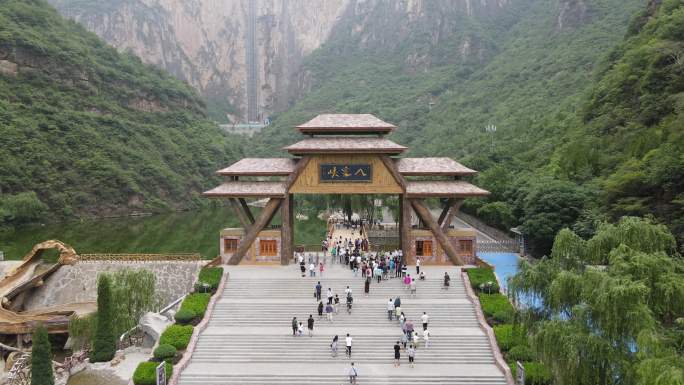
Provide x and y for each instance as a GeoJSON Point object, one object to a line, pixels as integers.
{"type": "Point", "coordinates": [371, 267]}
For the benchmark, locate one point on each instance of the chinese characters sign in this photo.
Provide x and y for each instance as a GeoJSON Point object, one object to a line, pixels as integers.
{"type": "Point", "coordinates": [345, 173]}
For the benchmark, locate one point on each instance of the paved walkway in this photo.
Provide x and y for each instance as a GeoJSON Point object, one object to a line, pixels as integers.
{"type": "Point", "coordinates": [249, 338]}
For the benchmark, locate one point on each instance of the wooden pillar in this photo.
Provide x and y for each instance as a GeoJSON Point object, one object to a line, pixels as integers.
{"type": "Point", "coordinates": [264, 219]}
{"type": "Point", "coordinates": [246, 209]}
{"type": "Point", "coordinates": [405, 226]}
{"type": "Point", "coordinates": [424, 214]}
{"type": "Point", "coordinates": [287, 230]}
{"type": "Point", "coordinates": [453, 210]}
{"type": "Point", "coordinates": [246, 224]}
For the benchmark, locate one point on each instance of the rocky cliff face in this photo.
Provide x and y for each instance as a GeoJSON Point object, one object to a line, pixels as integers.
{"type": "Point", "coordinates": [205, 41]}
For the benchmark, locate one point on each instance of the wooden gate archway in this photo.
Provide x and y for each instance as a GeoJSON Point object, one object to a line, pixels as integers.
{"type": "Point", "coordinates": [345, 154]}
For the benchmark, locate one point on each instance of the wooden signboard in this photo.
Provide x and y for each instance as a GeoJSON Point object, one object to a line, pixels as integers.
{"type": "Point", "coordinates": [333, 173]}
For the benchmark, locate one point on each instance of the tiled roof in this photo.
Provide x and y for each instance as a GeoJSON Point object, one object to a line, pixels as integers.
{"type": "Point", "coordinates": [248, 189]}
{"type": "Point", "coordinates": [260, 166]}
{"type": "Point", "coordinates": [432, 166]}
{"type": "Point", "coordinates": [443, 188]}
{"type": "Point", "coordinates": [345, 145]}
{"type": "Point", "coordinates": [346, 123]}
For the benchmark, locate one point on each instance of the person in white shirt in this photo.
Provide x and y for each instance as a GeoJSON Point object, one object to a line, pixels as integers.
{"type": "Point", "coordinates": [426, 338]}
{"type": "Point", "coordinates": [425, 319]}
{"type": "Point", "coordinates": [390, 309]}
{"type": "Point", "coordinates": [330, 296]}
{"type": "Point", "coordinates": [417, 266]}
{"type": "Point", "coordinates": [347, 292]}
{"type": "Point", "coordinates": [348, 344]}
{"type": "Point", "coordinates": [312, 270]}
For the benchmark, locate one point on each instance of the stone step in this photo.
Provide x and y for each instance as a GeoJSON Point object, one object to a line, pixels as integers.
{"type": "Point", "coordinates": [289, 379]}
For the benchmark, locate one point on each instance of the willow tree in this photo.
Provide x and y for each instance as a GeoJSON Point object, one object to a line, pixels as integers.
{"type": "Point", "coordinates": [590, 327]}
{"type": "Point", "coordinates": [133, 293]}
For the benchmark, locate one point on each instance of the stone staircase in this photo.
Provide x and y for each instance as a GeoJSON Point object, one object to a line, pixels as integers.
{"type": "Point", "coordinates": [249, 338]}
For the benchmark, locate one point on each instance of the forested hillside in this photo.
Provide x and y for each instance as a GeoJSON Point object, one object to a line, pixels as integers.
{"type": "Point", "coordinates": [570, 145]}
{"type": "Point", "coordinates": [87, 130]}
{"type": "Point", "coordinates": [631, 144]}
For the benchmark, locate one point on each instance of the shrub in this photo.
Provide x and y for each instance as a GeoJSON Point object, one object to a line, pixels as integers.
{"type": "Point", "coordinates": [146, 373]}
{"type": "Point", "coordinates": [508, 336]}
{"type": "Point", "coordinates": [196, 303]}
{"type": "Point", "coordinates": [104, 343]}
{"type": "Point", "coordinates": [184, 316]}
{"type": "Point", "coordinates": [537, 373]}
{"type": "Point", "coordinates": [177, 335]}
{"type": "Point", "coordinates": [497, 306]}
{"type": "Point", "coordinates": [164, 352]}
{"type": "Point", "coordinates": [41, 359]}
{"type": "Point", "coordinates": [480, 276]}
{"type": "Point", "coordinates": [211, 276]}
{"type": "Point", "coordinates": [520, 353]}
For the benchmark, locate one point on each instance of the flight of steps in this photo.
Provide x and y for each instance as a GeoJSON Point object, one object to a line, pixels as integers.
{"type": "Point", "coordinates": [249, 338]}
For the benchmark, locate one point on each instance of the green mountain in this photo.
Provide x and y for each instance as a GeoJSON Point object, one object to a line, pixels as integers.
{"type": "Point", "coordinates": [580, 136]}
{"type": "Point", "coordinates": [631, 142]}
{"type": "Point", "coordinates": [86, 130]}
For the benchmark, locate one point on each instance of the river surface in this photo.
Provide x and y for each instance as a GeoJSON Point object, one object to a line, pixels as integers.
{"type": "Point", "coordinates": [178, 232]}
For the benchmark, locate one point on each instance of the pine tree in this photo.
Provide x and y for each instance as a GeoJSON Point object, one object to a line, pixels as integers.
{"type": "Point", "coordinates": [104, 343]}
{"type": "Point", "coordinates": [41, 359]}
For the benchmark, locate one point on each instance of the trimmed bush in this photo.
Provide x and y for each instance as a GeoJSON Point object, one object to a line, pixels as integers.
{"type": "Point", "coordinates": [165, 352]}
{"type": "Point", "coordinates": [177, 335]}
{"type": "Point", "coordinates": [508, 336]}
{"type": "Point", "coordinates": [184, 316]}
{"type": "Point", "coordinates": [537, 373]}
{"type": "Point", "coordinates": [41, 359]}
{"type": "Point", "coordinates": [480, 276]}
{"type": "Point", "coordinates": [146, 373]}
{"type": "Point", "coordinates": [520, 353]}
{"type": "Point", "coordinates": [497, 306]}
{"type": "Point", "coordinates": [104, 343]}
{"type": "Point", "coordinates": [196, 303]}
{"type": "Point", "coordinates": [211, 276]}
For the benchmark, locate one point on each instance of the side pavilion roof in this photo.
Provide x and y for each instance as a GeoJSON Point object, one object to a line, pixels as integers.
{"type": "Point", "coordinates": [443, 188]}
{"type": "Point", "coordinates": [238, 189]}
{"type": "Point", "coordinates": [260, 167]}
{"type": "Point", "coordinates": [432, 166]}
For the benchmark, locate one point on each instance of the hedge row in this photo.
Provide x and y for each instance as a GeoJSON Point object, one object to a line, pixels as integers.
{"type": "Point", "coordinates": [211, 276]}
{"type": "Point", "coordinates": [511, 338]}
{"type": "Point", "coordinates": [482, 276]}
{"type": "Point", "coordinates": [146, 373]}
{"type": "Point", "coordinates": [177, 337]}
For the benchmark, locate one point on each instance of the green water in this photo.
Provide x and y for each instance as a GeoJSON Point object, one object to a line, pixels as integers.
{"type": "Point", "coordinates": [184, 232]}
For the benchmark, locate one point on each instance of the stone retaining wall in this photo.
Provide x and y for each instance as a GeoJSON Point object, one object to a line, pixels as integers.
{"type": "Point", "coordinates": [78, 283]}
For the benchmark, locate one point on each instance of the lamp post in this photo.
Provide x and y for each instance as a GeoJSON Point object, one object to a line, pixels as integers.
{"type": "Point", "coordinates": [491, 129]}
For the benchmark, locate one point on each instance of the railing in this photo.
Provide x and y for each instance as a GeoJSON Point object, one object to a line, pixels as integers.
{"type": "Point", "coordinates": [139, 257]}
{"type": "Point", "coordinates": [498, 246]}
{"type": "Point", "coordinates": [133, 337]}
{"type": "Point", "coordinates": [483, 227]}
{"type": "Point", "coordinates": [20, 374]}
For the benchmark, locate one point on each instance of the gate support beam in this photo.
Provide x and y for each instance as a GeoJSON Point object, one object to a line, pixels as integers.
{"type": "Point", "coordinates": [246, 209]}
{"type": "Point", "coordinates": [246, 224]}
{"type": "Point", "coordinates": [424, 214]}
{"type": "Point", "coordinates": [264, 219]}
{"type": "Point", "coordinates": [453, 210]}
{"type": "Point", "coordinates": [445, 211]}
